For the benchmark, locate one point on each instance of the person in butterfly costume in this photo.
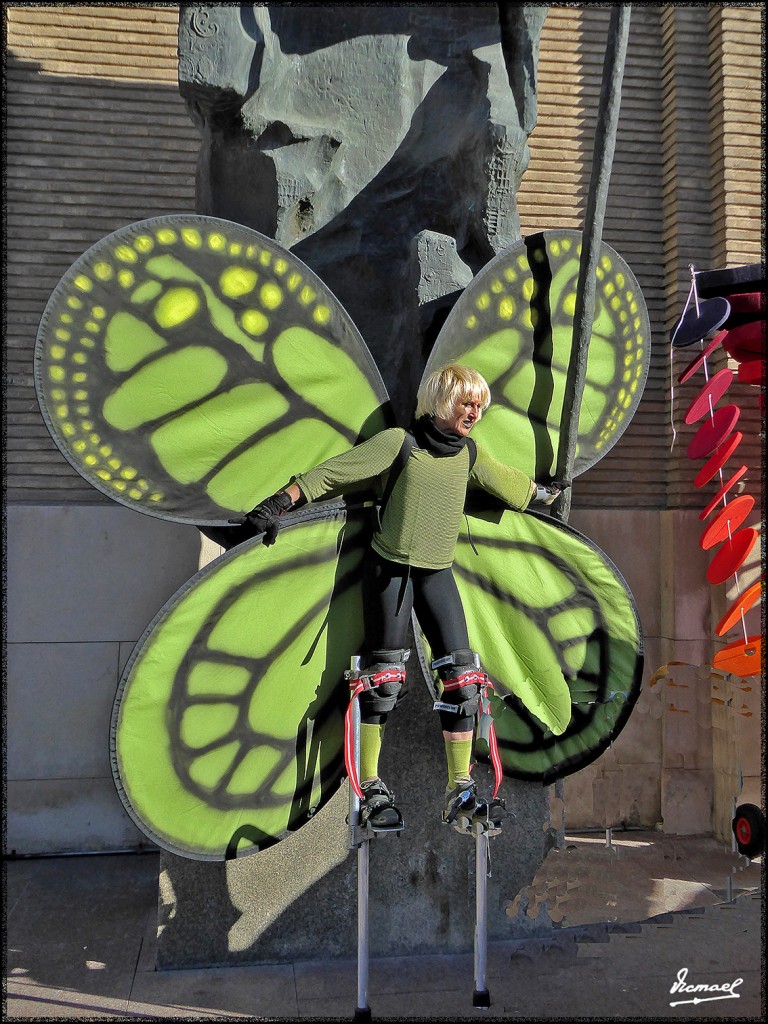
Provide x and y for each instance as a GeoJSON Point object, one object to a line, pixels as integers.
{"type": "Point", "coordinates": [409, 566]}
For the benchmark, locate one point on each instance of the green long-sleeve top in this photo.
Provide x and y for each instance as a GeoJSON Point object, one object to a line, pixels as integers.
{"type": "Point", "coordinates": [421, 522]}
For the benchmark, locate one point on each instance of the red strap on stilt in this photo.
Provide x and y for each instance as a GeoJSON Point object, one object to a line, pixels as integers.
{"type": "Point", "coordinates": [357, 684]}
{"type": "Point", "coordinates": [349, 741]}
{"type": "Point", "coordinates": [465, 679]}
{"type": "Point", "coordinates": [481, 679]}
{"type": "Point", "coordinates": [493, 746]}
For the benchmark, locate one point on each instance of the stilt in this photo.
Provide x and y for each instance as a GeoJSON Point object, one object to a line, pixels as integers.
{"type": "Point", "coordinates": [360, 838]}
{"type": "Point", "coordinates": [481, 997]}
{"type": "Point", "coordinates": [362, 1010]}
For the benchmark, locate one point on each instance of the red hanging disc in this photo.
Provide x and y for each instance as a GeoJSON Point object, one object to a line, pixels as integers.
{"type": "Point", "coordinates": [718, 460]}
{"type": "Point", "coordinates": [712, 433]}
{"type": "Point", "coordinates": [731, 555]}
{"type": "Point", "coordinates": [747, 302]}
{"type": "Point", "coordinates": [752, 371]}
{"type": "Point", "coordinates": [742, 604]}
{"type": "Point", "coordinates": [747, 341]}
{"type": "Point", "coordinates": [730, 517]}
{"type": "Point", "coordinates": [693, 366]}
{"type": "Point", "coordinates": [714, 389]}
{"type": "Point", "coordinates": [722, 492]}
{"type": "Point", "coordinates": [742, 658]}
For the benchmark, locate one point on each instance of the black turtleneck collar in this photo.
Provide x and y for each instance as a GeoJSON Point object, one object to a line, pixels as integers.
{"type": "Point", "coordinates": [440, 442]}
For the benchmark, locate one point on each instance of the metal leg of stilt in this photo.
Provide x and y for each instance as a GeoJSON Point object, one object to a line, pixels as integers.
{"type": "Point", "coordinates": [356, 839]}
{"type": "Point", "coordinates": [481, 997]}
{"type": "Point", "coordinates": [362, 1011]}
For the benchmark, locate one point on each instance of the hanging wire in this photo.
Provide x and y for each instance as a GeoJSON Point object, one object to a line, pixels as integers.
{"type": "Point", "coordinates": [692, 269]}
{"type": "Point", "coordinates": [691, 293]}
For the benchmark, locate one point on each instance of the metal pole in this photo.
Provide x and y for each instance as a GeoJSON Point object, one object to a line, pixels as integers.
{"type": "Point", "coordinates": [602, 161]}
{"type": "Point", "coordinates": [481, 997]}
{"type": "Point", "coordinates": [362, 1010]}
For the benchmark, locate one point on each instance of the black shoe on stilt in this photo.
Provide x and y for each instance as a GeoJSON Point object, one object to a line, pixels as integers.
{"type": "Point", "coordinates": [378, 811]}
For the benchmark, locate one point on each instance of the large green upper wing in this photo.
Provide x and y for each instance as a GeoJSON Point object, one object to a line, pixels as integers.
{"type": "Point", "coordinates": [514, 324]}
{"type": "Point", "coordinates": [554, 622]}
{"type": "Point", "coordinates": [228, 724]}
{"type": "Point", "coordinates": [185, 366]}
{"type": "Point", "coordinates": [559, 635]}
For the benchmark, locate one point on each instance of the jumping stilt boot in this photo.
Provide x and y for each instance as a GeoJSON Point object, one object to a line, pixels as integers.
{"type": "Point", "coordinates": [490, 816]}
{"type": "Point", "coordinates": [460, 805]}
{"type": "Point", "coordinates": [463, 699]}
{"type": "Point", "coordinates": [378, 811]}
{"type": "Point", "coordinates": [468, 813]}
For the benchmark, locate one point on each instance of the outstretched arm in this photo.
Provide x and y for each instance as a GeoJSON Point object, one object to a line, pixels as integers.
{"type": "Point", "coordinates": [511, 485]}
{"type": "Point", "coordinates": [363, 462]}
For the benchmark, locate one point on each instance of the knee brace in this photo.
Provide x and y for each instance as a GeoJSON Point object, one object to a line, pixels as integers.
{"type": "Point", "coordinates": [385, 675]}
{"type": "Point", "coordinates": [462, 678]}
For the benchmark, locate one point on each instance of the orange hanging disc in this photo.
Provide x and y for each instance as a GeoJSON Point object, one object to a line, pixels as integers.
{"type": "Point", "coordinates": [742, 658]}
{"type": "Point", "coordinates": [731, 555]}
{"type": "Point", "coordinates": [742, 604]}
{"type": "Point", "coordinates": [731, 516]}
{"type": "Point", "coordinates": [705, 513]}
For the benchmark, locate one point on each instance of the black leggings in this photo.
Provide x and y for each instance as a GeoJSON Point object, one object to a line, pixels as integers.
{"type": "Point", "coordinates": [390, 591]}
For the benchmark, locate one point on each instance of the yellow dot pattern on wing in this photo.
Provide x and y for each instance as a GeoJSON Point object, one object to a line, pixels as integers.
{"type": "Point", "coordinates": [250, 274]}
{"type": "Point", "coordinates": [616, 320]}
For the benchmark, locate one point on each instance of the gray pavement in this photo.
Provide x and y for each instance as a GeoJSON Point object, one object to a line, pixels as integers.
{"type": "Point", "coordinates": [633, 919]}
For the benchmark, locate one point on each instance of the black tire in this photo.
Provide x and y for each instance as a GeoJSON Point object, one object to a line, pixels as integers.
{"type": "Point", "coordinates": [749, 829]}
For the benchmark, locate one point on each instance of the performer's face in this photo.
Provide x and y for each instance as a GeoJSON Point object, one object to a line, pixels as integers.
{"type": "Point", "coordinates": [464, 415]}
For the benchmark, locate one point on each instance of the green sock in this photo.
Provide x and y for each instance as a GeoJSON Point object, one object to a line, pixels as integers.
{"type": "Point", "coordinates": [370, 747]}
{"type": "Point", "coordinates": [459, 754]}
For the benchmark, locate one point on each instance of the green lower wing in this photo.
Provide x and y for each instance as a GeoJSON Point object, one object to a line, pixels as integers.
{"type": "Point", "coordinates": [184, 365]}
{"type": "Point", "coordinates": [557, 631]}
{"type": "Point", "coordinates": [514, 324]}
{"type": "Point", "coordinates": [228, 724]}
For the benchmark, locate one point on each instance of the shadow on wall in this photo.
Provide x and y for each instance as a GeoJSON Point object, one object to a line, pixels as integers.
{"type": "Point", "coordinates": [84, 157]}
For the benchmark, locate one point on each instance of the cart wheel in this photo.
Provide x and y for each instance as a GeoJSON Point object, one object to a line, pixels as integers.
{"type": "Point", "coordinates": [749, 829]}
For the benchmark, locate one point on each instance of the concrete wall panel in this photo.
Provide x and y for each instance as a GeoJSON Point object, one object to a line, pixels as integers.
{"type": "Point", "coordinates": [77, 574]}
{"type": "Point", "coordinates": [82, 584]}
{"type": "Point", "coordinates": [68, 816]}
{"type": "Point", "coordinates": [64, 731]}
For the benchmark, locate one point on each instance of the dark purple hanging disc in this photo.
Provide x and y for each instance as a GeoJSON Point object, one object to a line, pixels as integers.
{"type": "Point", "coordinates": [696, 324]}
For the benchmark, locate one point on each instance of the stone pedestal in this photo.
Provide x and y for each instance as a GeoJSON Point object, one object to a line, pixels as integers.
{"type": "Point", "coordinates": [298, 900]}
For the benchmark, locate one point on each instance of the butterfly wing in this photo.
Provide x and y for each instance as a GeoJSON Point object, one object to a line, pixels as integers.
{"type": "Point", "coordinates": [559, 636]}
{"type": "Point", "coordinates": [514, 324]}
{"type": "Point", "coordinates": [185, 364]}
{"type": "Point", "coordinates": [227, 728]}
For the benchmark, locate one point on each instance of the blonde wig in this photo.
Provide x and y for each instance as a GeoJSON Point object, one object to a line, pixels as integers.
{"type": "Point", "coordinates": [441, 390]}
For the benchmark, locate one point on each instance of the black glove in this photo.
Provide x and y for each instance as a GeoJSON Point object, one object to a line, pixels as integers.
{"type": "Point", "coordinates": [265, 518]}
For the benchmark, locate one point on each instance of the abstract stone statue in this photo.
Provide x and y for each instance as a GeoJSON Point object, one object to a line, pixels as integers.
{"type": "Point", "coordinates": [383, 144]}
